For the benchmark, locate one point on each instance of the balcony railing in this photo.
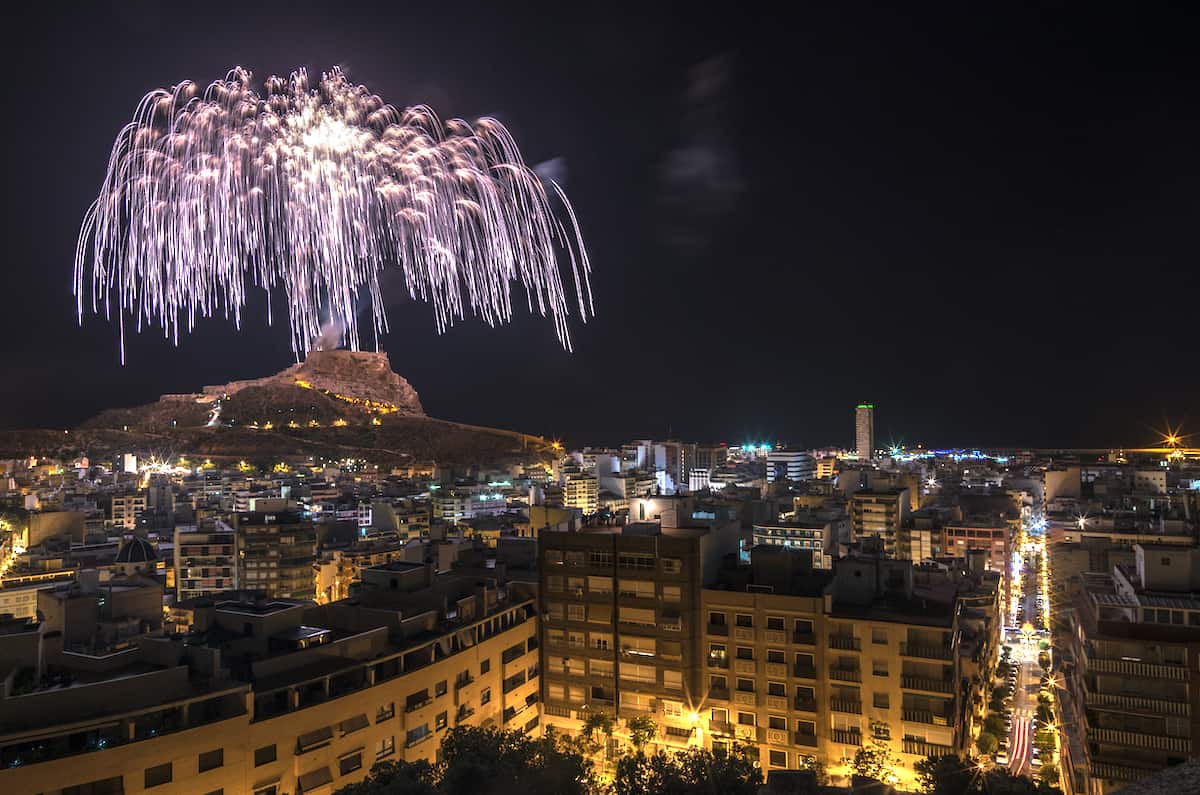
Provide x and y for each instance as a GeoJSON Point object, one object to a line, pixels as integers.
{"type": "Point", "coordinates": [804, 671]}
{"type": "Point", "coordinates": [1157, 742]}
{"type": "Point", "coordinates": [1154, 706]}
{"type": "Point", "coordinates": [922, 748]}
{"type": "Point", "coordinates": [720, 727]}
{"type": "Point", "coordinates": [847, 736]}
{"type": "Point", "coordinates": [717, 662]}
{"type": "Point", "coordinates": [804, 638]}
{"type": "Point", "coordinates": [1132, 668]}
{"type": "Point", "coordinates": [924, 652]}
{"type": "Point", "coordinates": [923, 716]}
{"type": "Point", "coordinates": [845, 642]}
{"type": "Point", "coordinates": [1118, 772]}
{"type": "Point", "coordinates": [924, 683]}
{"type": "Point", "coordinates": [805, 704]}
{"type": "Point", "coordinates": [719, 692]}
{"type": "Point", "coordinates": [845, 705]}
{"type": "Point", "coordinates": [718, 629]}
{"type": "Point", "coordinates": [810, 740]}
{"type": "Point", "coordinates": [845, 674]}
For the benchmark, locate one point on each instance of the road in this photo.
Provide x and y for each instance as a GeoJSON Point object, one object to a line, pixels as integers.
{"type": "Point", "coordinates": [1020, 742]}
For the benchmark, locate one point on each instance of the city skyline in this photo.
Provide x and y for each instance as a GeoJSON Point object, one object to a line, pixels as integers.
{"type": "Point", "coordinates": [927, 180]}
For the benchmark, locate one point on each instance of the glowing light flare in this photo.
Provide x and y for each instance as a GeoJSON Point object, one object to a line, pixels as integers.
{"type": "Point", "coordinates": [314, 191]}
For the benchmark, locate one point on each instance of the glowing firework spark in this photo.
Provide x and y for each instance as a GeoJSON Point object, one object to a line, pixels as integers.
{"type": "Point", "coordinates": [316, 191]}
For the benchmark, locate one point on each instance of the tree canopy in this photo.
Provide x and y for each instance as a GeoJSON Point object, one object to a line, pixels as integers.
{"type": "Point", "coordinates": [487, 762]}
{"type": "Point", "coordinates": [694, 771]}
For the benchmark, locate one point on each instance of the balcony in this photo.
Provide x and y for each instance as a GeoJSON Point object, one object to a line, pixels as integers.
{"type": "Point", "coordinates": [923, 652]}
{"type": "Point", "coordinates": [804, 672]}
{"type": "Point", "coordinates": [744, 633]}
{"type": "Point", "coordinates": [922, 748]}
{"type": "Point", "coordinates": [463, 681]}
{"type": "Point", "coordinates": [744, 666]}
{"type": "Point", "coordinates": [777, 702]}
{"type": "Point", "coordinates": [804, 638]}
{"type": "Point", "coordinates": [923, 716]}
{"type": "Point", "coordinates": [775, 636]}
{"type": "Point", "coordinates": [721, 693]}
{"type": "Point", "coordinates": [1132, 668]}
{"type": "Point", "coordinates": [1152, 706]}
{"type": "Point", "coordinates": [805, 704]}
{"type": "Point", "coordinates": [810, 740]}
{"type": "Point", "coordinates": [777, 670]}
{"type": "Point", "coordinates": [845, 642]}
{"type": "Point", "coordinates": [720, 727]}
{"type": "Point", "coordinates": [928, 685]}
{"type": "Point", "coordinates": [845, 705]}
{"type": "Point", "coordinates": [847, 736]}
{"type": "Point", "coordinates": [845, 674]}
{"type": "Point", "coordinates": [415, 704]}
{"type": "Point", "coordinates": [718, 661]}
{"type": "Point", "coordinates": [1156, 742]}
{"type": "Point", "coordinates": [418, 740]}
{"type": "Point", "coordinates": [719, 629]}
{"type": "Point", "coordinates": [1119, 772]}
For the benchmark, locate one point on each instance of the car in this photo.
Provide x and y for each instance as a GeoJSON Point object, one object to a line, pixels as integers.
{"type": "Point", "coordinates": [1002, 757]}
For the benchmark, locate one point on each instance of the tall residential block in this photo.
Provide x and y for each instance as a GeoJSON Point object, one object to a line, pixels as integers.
{"type": "Point", "coordinates": [278, 551]}
{"type": "Point", "coordinates": [864, 430]}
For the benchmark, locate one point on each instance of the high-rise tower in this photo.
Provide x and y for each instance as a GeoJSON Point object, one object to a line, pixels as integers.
{"type": "Point", "coordinates": [864, 430]}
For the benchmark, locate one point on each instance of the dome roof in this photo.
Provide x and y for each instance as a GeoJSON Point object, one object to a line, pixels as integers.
{"type": "Point", "coordinates": [136, 550]}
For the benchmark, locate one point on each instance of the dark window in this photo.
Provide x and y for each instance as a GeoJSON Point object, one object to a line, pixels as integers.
{"type": "Point", "coordinates": [264, 755]}
{"type": "Point", "coordinates": [485, 696]}
{"type": "Point", "coordinates": [774, 622]}
{"type": "Point", "coordinates": [158, 775]}
{"type": "Point", "coordinates": [212, 759]}
{"type": "Point", "coordinates": [779, 759]}
{"type": "Point", "coordinates": [716, 618]}
{"type": "Point", "coordinates": [746, 718]}
{"type": "Point", "coordinates": [777, 722]}
{"type": "Point", "coordinates": [881, 701]}
{"type": "Point", "coordinates": [348, 764]}
{"type": "Point", "coordinates": [440, 688]}
{"type": "Point", "coordinates": [216, 792]}
{"type": "Point", "coordinates": [485, 666]}
{"type": "Point", "coordinates": [104, 786]}
{"type": "Point", "coordinates": [744, 620]}
{"type": "Point", "coordinates": [440, 721]}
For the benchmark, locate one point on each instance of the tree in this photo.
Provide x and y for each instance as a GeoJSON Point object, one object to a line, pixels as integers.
{"type": "Point", "coordinates": [944, 775]}
{"type": "Point", "coordinates": [949, 775]}
{"type": "Point", "coordinates": [986, 743]}
{"type": "Point", "coordinates": [642, 729]}
{"type": "Point", "coordinates": [817, 766]}
{"type": "Point", "coordinates": [488, 762]}
{"type": "Point", "coordinates": [994, 724]}
{"type": "Point", "coordinates": [875, 760]}
{"type": "Point", "coordinates": [694, 771]}
{"type": "Point", "coordinates": [396, 778]}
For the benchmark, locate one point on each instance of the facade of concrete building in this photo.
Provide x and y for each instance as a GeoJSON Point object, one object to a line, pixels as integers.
{"type": "Point", "coordinates": [621, 622]}
{"type": "Point", "coordinates": [206, 559]}
{"type": "Point", "coordinates": [879, 514]}
{"type": "Point", "coordinates": [864, 430]}
{"type": "Point", "coordinates": [277, 554]}
{"type": "Point", "coordinates": [814, 535]}
{"type": "Point", "coordinates": [1131, 668]}
{"type": "Point", "coordinates": [334, 690]}
{"type": "Point", "coordinates": [992, 537]}
{"type": "Point", "coordinates": [126, 508]}
{"type": "Point", "coordinates": [582, 491]}
{"type": "Point", "coordinates": [809, 668]}
{"type": "Point", "coordinates": [790, 465]}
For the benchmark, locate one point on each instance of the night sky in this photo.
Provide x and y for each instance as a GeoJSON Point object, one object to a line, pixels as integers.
{"type": "Point", "coordinates": [983, 221]}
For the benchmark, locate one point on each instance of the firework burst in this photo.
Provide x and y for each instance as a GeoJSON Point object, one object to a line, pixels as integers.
{"type": "Point", "coordinates": [314, 191]}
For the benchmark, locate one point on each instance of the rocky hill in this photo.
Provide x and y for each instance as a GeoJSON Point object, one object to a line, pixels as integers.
{"type": "Point", "coordinates": [340, 403]}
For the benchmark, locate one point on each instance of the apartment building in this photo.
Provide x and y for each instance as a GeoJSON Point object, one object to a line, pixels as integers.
{"type": "Point", "coordinates": [805, 664]}
{"type": "Point", "coordinates": [126, 508]}
{"type": "Point", "coordinates": [300, 699]}
{"type": "Point", "coordinates": [582, 491]}
{"type": "Point", "coordinates": [277, 554]}
{"type": "Point", "coordinates": [994, 537]}
{"type": "Point", "coordinates": [879, 513]}
{"type": "Point", "coordinates": [206, 559]}
{"type": "Point", "coordinates": [621, 624]}
{"type": "Point", "coordinates": [1131, 668]}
